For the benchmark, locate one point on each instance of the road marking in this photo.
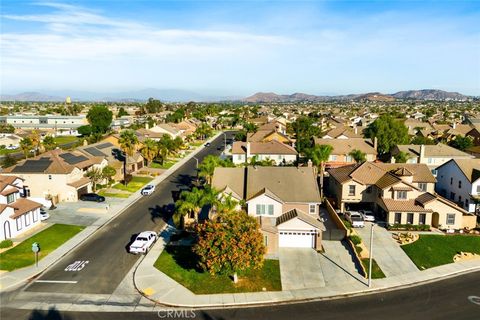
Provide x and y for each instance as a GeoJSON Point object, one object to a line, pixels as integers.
{"type": "Point", "coordinates": [474, 299]}
{"type": "Point", "coordinates": [77, 265]}
{"type": "Point", "coordinates": [56, 281]}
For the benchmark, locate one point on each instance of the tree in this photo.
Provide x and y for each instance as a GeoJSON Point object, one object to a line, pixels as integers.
{"type": "Point", "coordinates": [208, 165]}
{"type": "Point", "coordinates": [49, 143]}
{"type": "Point", "coordinates": [250, 127]}
{"type": "Point", "coordinates": [358, 155]}
{"type": "Point", "coordinates": [421, 140]}
{"type": "Point", "coordinates": [8, 161]}
{"type": "Point", "coordinates": [319, 155]}
{"type": "Point", "coordinates": [26, 145]}
{"type": "Point", "coordinates": [108, 173]}
{"type": "Point", "coordinates": [153, 106]}
{"type": "Point", "coordinates": [149, 150]}
{"type": "Point", "coordinates": [402, 157]}
{"type": "Point", "coordinates": [165, 147]}
{"type": "Point", "coordinates": [6, 128]}
{"type": "Point", "coordinates": [305, 131]}
{"type": "Point", "coordinates": [461, 143]}
{"type": "Point", "coordinates": [85, 130]}
{"type": "Point", "coordinates": [95, 175]}
{"type": "Point", "coordinates": [203, 131]}
{"type": "Point", "coordinates": [36, 140]}
{"type": "Point", "coordinates": [191, 203]}
{"type": "Point", "coordinates": [122, 112]}
{"type": "Point", "coordinates": [230, 243]}
{"type": "Point", "coordinates": [99, 118]}
{"type": "Point", "coordinates": [388, 131]}
{"type": "Point", "coordinates": [241, 136]}
{"type": "Point", "coordinates": [128, 142]}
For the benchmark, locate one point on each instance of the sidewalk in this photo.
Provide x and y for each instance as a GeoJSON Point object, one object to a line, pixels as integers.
{"type": "Point", "coordinates": [9, 280]}
{"type": "Point", "coordinates": [161, 289]}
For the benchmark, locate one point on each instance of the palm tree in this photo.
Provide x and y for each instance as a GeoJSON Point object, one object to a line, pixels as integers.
{"type": "Point", "coordinates": [319, 155]}
{"type": "Point", "coordinates": [207, 167]}
{"type": "Point", "coordinates": [35, 137]}
{"type": "Point", "coordinates": [95, 175]}
{"type": "Point", "coordinates": [49, 143]}
{"type": "Point", "coordinates": [358, 155]}
{"type": "Point", "coordinates": [190, 203]}
{"type": "Point", "coordinates": [226, 203]}
{"type": "Point", "coordinates": [149, 150]}
{"type": "Point", "coordinates": [128, 142]}
{"type": "Point", "coordinates": [108, 173]}
{"type": "Point", "coordinates": [26, 145]}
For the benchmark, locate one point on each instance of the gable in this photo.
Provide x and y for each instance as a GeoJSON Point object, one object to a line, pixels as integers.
{"type": "Point", "coordinates": [296, 224]}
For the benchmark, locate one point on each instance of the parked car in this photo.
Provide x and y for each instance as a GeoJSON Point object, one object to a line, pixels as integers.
{"type": "Point", "coordinates": [148, 190]}
{"type": "Point", "coordinates": [207, 144]}
{"type": "Point", "coordinates": [355, 218]}
{"type": "Point", "coordinates": [368, 215]}
{"type": "Point", "coordinates": [92, 197]}
{"type": "Point", "coordinates": [143, 242]}
{"type": "Point", "coordinates": [44, 215]}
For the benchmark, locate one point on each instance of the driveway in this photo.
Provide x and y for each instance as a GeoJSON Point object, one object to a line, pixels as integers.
{"type": "Point", "coordinates": [386, 251]}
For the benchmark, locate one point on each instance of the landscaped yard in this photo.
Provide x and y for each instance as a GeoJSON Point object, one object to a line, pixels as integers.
{"type": "Point", "coordinates": [135, 184]}
{"type": "Point", "coordinates": [49, 239]}
{"type": "Point", "coordinates": [166, 164]}
{"type": "Point", "coordinates": [65, 139]}
{"type": "Point", "coordinates": [434, 250]}
{"type": "Point", "coordinates": [377, 273]}
{"type": "Point", "coordinates": [114, 195]}
{"type": "Point", "coordinates": [7, 151]}
{"type": "Point", "coordinates": [179, 263]}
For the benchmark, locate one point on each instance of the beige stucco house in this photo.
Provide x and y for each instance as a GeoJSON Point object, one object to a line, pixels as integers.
{"type": "Point", "coordinates": [278, 152]}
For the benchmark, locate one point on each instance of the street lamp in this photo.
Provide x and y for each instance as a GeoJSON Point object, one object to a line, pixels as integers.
{"type": "Point", "coordinates": [371, 258]}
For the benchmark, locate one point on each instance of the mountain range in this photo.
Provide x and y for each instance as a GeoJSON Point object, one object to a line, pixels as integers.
{"type": "Point", "coordinates": [172, 95]}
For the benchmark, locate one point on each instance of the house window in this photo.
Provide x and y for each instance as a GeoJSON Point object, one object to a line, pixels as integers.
{"type": "Point", "coordinates": [451, 181]}
{"type": "Point", "coordinates": [478, 189]}
{"type": "Point", "coordinates": [11, 198]}
{"type": "Point", "coordinates": [265, 240]}
{"type": "Point", "coordinates": [422, 218]}
{"type": "Point", "coordinates": [263, 209]}
{"type": "Point", "coordinates": [410, 218]}
{"type": "Point", "coordinates": [349, 159]}
{"type": "Point", "coordinates": [351, 190]}
{"type": "Point", "coordinates": [49, 177]}
{"type": "Point", "coordinates": [313, 208]}
{"type": "Point", "coordinates": [459, 184]}
{"type": "Point", "coordinates": [430, 160]}
{"type": "Point", "coordinates": [270, 209]}
{"type": "Point", "coordinates": [260, 209]}
{"type": "Point", "coordinates": [369, 189]}
{"type": "Point", "coordinates": [450, 218]}
{"type": "Point", "coordinates": [401, 194]}
{"type": "Point", "coordinates": [452, 196]}
{"type": "Point", "coordinates": [333, 157]}
{"type": "Point", "coordinates": [466, 203]}
{"type": "Point", "coordinates": [434, 172]}
{"type": "Point", "coordinates": [27, 219]}
{"type": "Point", "coordinates": [422, 186]}
{"type": "Point", "coordinates": [35, 215]}
{"type": "Point", "coordinates": [398, 217]}
{"type": "Point", "coordinates": [19, 223]}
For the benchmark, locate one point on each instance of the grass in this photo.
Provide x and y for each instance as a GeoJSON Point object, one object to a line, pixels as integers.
{"type": "Point", "coordinates": [377, 272]}
{"type": "Point", "coordinates": [135, 184]}
{"type": "Point", "coordinates": [434, 250]}
{"type": "Point", "coordinates": [114, 195]}
{"type": "Point", "coordinates": [49, 239]}
{"type": "Point", "coordinates": [197, 143]}
{"type": "Point", "coordinates": [178, 262]}
{"type": "Point", "coordinates": [6, 151]}
{"type": "Point", "coordinates": [65, 139]}
{"type": "Point", "coordinates": [166, 165]}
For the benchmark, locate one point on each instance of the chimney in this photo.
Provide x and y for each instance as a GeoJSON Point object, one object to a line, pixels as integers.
{"type": "Point", "coordinates": [422, 153]}
{"type": "Point", "coordinates": [309, 163]}
{"type": "Point", "coordinates": [85, 142]}
{"type": "Point", "coordinates": [355, 129]}
{"type": "Point", "coordinates": [392, 160]}
{"type": "Point", "coordinates": [375, 143]}
{"type": "Point", "coordinates": [454, 125]}
{"type": "Point", "coordinates": [147, 126]}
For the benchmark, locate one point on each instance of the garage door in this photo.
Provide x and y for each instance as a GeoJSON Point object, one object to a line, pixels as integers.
{"type": "Point", "coordinates": [297, 239]}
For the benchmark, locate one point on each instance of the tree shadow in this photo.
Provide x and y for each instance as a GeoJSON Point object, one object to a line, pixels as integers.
{"type": "Point", "coordinates": [50, 314]}
{"type": "Point", "coordinates": [164, 212]}
{"type": "Point", "coordinates": [184, 257]}
{"type": "Point", "coordinates": [185, 180]}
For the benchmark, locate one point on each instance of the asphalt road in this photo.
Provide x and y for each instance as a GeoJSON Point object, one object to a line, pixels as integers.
{"type": "Point", "coordinates": [106, 251]}
{"type": "Point", "coordinates": [447, 299]}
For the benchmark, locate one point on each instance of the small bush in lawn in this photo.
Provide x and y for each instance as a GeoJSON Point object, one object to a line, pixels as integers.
{"type": "Point", "coordinates": [355, 239]}
{"type": "Point", "coordinates": [6, 244]}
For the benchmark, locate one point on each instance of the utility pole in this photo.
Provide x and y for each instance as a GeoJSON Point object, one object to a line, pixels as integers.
{"type": "Point", "coordinates": [371, 258]}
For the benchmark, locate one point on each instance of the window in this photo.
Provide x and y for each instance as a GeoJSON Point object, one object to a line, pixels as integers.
{"type": "Point", "coordinates": [313, 208]}
{"type": "Point", "coordinates": [452, 196]}
{"type": "Point", "coordinates": [35, 215]}
{"type": "Point", "coordinates": [398, 217]}
{"type": "Point", "coordinates": [434, 172]}
{"type": "Point", "coordinates": [49, 177]}
{"type": "Point", "coordinates": [27, 219]}
{"type": "Point", "coordinates": [478, 189]}
{"type": "Point", "coordinates": [260, 209]}
{"type": "Point", "coordinates": [349, 159]}
{"type": "Point", "coordinates": [466, 203]}
{"type": "Point", "coordinates": [401, 194]}
{"type": "Point", "coordinates": [270, 209]}
{"type": "Point", "coordinates": [265, 240]}
{"type": "Point", "coordinates": [11, 198]}
{"type": "Point", "coordinates": [422, 218]}
{"type": "Point", "coordinates": [450, 218]}
{"type": "Point", "coordinates": [410, 218]}
{"type": "Point", "coordinates": [19, 223]}
{"type": "Point", "coordinates": [369, 189]}
{"type": "Point", "coordinates": [422, 186]}
{"type": "Point", "coordinates": [459, 184]}
{"type": "Point", "coordinates": [351, 190]}
{"type": "Point", "coordinates": [451, 181]}
{"type": "Point", "coordinates": [333, 157]}
{"type": "Point", "coordinates": [263, 209]}
{"type": "Point", "coordinates": [430, 160]}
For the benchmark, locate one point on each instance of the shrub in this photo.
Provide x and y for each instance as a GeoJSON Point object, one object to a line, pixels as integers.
{"type": "Point", "coordinates": [358, 249]}
{"type": "Point", "coordinates": [6, 244]}
{"type": "Point", "coordinates": [355, 239]}
{"type": "Point", "coordinates": [347, 224]}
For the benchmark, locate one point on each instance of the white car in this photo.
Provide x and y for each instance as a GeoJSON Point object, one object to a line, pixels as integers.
{"type": "Point", "coordinates": [148, 189]}
{"type": "Point", "coordinates": [355, 218]}
{"type": "Point", "coordinates": [368, 215]}
{"type": "Point", "coordinates": [143, 242]}
{"type": "Point", "coordinates": [43, 214]}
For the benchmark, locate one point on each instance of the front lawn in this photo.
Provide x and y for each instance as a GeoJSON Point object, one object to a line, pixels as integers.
{"type": "Point", "coordinates": [65, 139]}
{"type": "Point", "coordinates": [49, 239]}
{"type": "Point", "coordinates": [7, 151]}
{"type": "Point", "coordinates": [165, 165]}
{"type": "Point", "coordinates": [135, 184]}
{"type": "Point", "coordinates": [178, 262]}
{"type": "Point", "coordinates": [114, 195]}
{"type": "Point", "coordinates": [377, 272]}
{"type": "Point", "coordinates": [435, 250]}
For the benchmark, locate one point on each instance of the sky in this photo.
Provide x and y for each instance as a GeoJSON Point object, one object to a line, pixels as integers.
{"type": "Point", "coordinates": [237, 48]}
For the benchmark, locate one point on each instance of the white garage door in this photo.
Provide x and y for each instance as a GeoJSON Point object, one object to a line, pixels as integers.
{"type": "Point", "coordinates": [296, 239]}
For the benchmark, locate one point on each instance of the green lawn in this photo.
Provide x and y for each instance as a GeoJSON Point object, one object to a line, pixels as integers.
{"type": "Point", "coordinates": [377, 272]}
{"type": "Point", "coordinates": [135, 184]}
{"type": "Point", "coordinates": [178, 262]}
{"type": "Point", "coordinates": [114, 195]}
{"type": "Point", "coordinates": [166, 165]}
{"type": "Point", "coordinates": [65, 139]}
{"type": "Point", "coordinates": [6, 151]}
{"type": "Point", "coordinates": [434, 250]}
{"type": "Point", "coordinates": [196, 143]}
{"type": "Point", "coordinates": [49, 239]}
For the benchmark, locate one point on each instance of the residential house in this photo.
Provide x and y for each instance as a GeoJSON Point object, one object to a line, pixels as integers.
{"type": "Point", "coordinates": [17, 213]}
{"type": "Point", "coordinates": [459, 181]}
{"type": "Point", "coordinates": [57, 175]}
{"type": "Point", "coordinates": [166, 128]}
{"type": "Point", "coordinates": [431, 155]}
{"type": "Point", "coordinates": [280, 153]}
{"type": "Point", "coordinates": [187, 127]}
{"type": "Point", "coordinates": [285, 200]}
{"type": "Point", "coordinates": [10, 140]}
{"type": "Point", "coordinates": [61, 125]}
{"type": "Point", "coordinates": [399, 193]}
{"type": "Point", "coordinates": [134, 162]}
{"type": "Point", "coordinates": [340, 154]}
{"type": "Point", "coordinates": [343, 132]}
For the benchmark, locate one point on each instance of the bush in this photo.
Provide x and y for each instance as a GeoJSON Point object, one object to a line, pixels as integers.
{"type": "Point", "coordinates": [355, 239]}
{"type": "Point", "coordinates": [347, 224]}
{"type": "Point", "coordinates": [6, 244]}
{"type": "Point", "coordinates": [358, 249]}
{"type": "Point", "coordinates": [409, 227]}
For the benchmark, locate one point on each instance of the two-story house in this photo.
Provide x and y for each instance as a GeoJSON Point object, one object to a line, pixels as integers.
{"type": "Point", "coordinates": [17, 213]}
{"type": "Point", "coordinates": [285, 200]}
{"type": "Point", "coordinates": [58, 175]}
{"type": "Point", "coordinates": [278, 152]}
{"type": "Point", "coordinates": [459, 181]}
{"type": "Point", "coordinates": [342, 147]}
{"type": "Point", "coordinates": [398, 193]}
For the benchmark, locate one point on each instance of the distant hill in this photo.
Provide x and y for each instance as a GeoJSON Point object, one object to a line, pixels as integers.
{"type": "Point", "coordinates": [30, 96]}
{"type": "Point", "coordinates": [428, 94]}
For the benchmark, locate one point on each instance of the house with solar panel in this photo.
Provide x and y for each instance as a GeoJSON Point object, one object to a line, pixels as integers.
{"type": "Point", "coordinates": [57, 175]}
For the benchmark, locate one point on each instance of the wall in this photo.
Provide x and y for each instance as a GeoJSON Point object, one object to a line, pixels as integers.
{"type": "Point", "coordinates": [443, 209]}
{"type": "Point", "coordinates": [263, 199]}
{"type": "Point", "coordinates": [300, 206]}
{"type": "Point", "coordinates": [444, 187]}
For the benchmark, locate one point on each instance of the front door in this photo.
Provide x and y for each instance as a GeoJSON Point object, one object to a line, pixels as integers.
{"type": "Point", "coordinates": [6, 230]}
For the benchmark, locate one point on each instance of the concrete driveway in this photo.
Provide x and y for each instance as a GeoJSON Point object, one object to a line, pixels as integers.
{"type": "Point", "coordinates": [300, 268]}
{"type": "Point", "coordinates": [386, 251]}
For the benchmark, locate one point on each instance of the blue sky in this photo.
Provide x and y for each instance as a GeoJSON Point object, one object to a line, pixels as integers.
{"type": "Point", "coordinates": [240, 47]}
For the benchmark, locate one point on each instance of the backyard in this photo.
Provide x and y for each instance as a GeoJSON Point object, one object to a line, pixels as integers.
{"type": "Point", "coordinates": [49, 239]}
{"type": "Point", "coordinates": [435, 250]}
{"type": "Point", "coordinates": [178, 262]}
{"type": "Point", "coordinates": [65, 139]}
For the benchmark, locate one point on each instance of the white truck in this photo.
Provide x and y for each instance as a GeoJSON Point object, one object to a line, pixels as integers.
{"type": "Point", "coordinates": [143, 242]}
{"type": "Point", "coordinates": [355, 218]}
